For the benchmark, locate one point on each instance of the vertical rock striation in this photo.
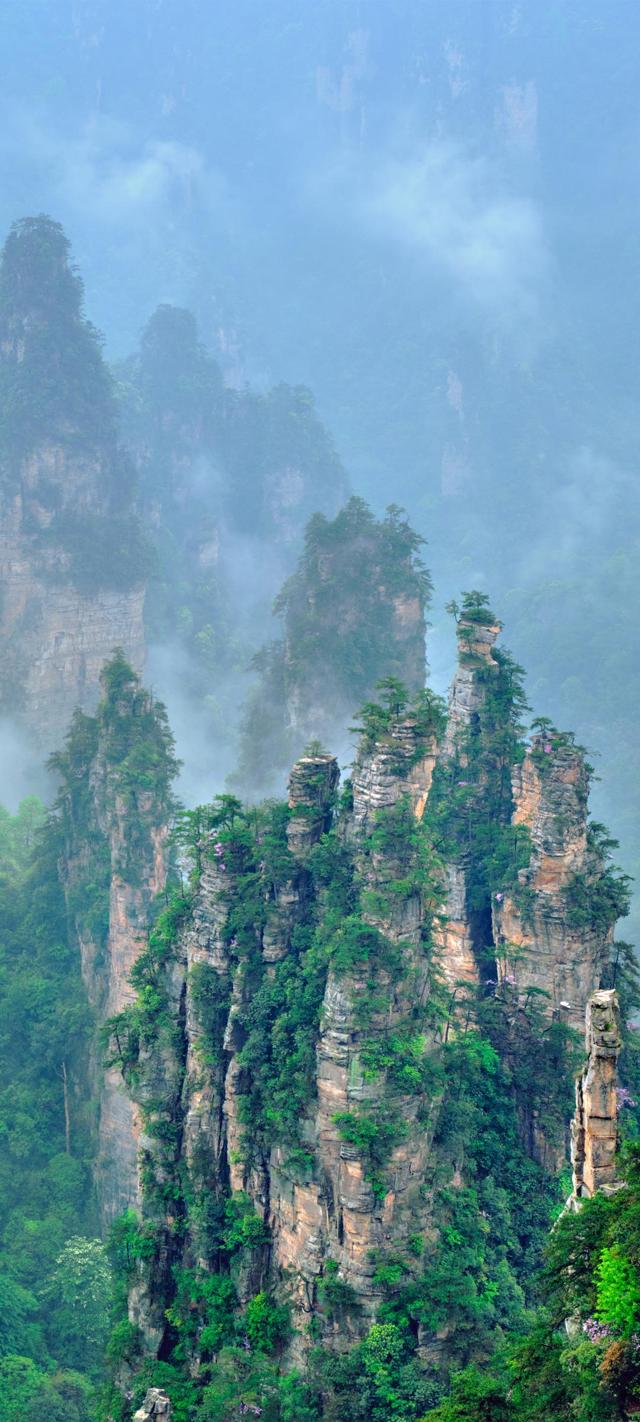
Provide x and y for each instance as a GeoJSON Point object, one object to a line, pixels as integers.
{"type": "Point", "coordinates": [543, 942]}
{"type": "Point", "coordinates": [594, 1131]}
{"type": "Point", "coordinates": [115, 808]}
{"type": "Point", "coordinates": [71, 555]}
{"type": "Point", "coordinates": [476, 633]}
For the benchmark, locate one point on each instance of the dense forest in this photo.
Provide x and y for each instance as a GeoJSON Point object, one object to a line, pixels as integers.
{"type": "Point", "coordinates": [319, 1034]}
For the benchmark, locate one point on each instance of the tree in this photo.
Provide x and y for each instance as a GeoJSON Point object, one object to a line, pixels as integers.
{"type": "Point", "coordinates": [79, 1294]}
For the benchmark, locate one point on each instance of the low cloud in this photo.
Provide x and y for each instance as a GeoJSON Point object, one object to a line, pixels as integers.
{"type": "Point", "coordinates": [451, 208]}
{"type": "Point", "coordinates": [130, 204]}
{"type": "Point", "coordinates": [593, 509]}
{"type": "Point", "coordinates": [108, 172]}
{"type": "Point", "coordinates": [454, 211]}
{"type": "Point", "coordinates": [22, 769]}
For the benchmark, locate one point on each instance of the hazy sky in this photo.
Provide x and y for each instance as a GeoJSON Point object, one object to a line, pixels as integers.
{"type": "Point", "coordinates": [427, 210]}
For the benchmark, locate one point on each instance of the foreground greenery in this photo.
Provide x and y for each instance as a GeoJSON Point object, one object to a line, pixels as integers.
{"type": "Point", "coordinates": [55, 1285]}
{"type": "Point", "coordinates": [472, 1320]}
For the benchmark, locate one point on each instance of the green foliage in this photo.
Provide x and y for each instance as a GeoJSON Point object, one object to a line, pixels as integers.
{"type": "Point", "coordinates": [394, 705]}
{"type": "Point", "coordinates": [341, 635]}
{"type": "Point", "coordinates": [17, 1309]}
{"type": "Point", "coordinates": [476, 1396]}
{"type": "Point", "coordinates": [374, 1381]}
{"type": "Point", "coordinates": [281, 1026]}
{"type": "Point", "coordinates": [182, 1391]}
{"type": "Point", "coordinates": [56, 390]}
{"type": "Point", "coordinates": [402, 861]}
{"type": "Point", "coordinates": [203, 1312]}
{"type": "Point", "coordinates": [130, 1241]}
{"type": "Point", "coordinates": [592, 1277]}
{"type": "Point", "coordinates": [267, 1323]}
{"type": "Point", "coordinates": [618, 1292]}
{"type": "Point", "coordinates": [211, 995]}
{"type": "Point", "coordinates": [45, 1196]}
{"type": "Point", "coordinates": [118, 763]}
{"type": "Point", "coordinates": [597, 902]}
{"type": "Point", "coordinates": [60, 383]}
{"type": "Point", "coordinates": [374, 1132]}
{"type": "Point", "coordinates": [475, 608]}
{"type": "Point", "coordinates": [356, 944]}
{"type": "Point", "coordinates": [470, 807]}
{"type": "Point", "coordinates": [80, 1287]}
{"type": "Point", "coordinates": [27, 1394]}
{"type": "Point", "coordinates": [336, 1295]}
{"type": "Point", "coordinates": [244, 1229]}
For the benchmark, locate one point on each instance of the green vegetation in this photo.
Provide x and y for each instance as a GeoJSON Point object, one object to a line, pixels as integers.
{"type": "Point", "coordinates": [588, 1369]}
{"type": "Point", "coordinates": [54, 1279]}
{"type": "Point", "coordinates": [54, 383]}
{"type": "Point", "coordinates": [56, 393]}
{"type": "Point", "coordinates": [344, 627]}
{"type": "Point", "coordinates": [471, 804]}
{"type": "Point", "coordinates": [471, 1075]}
{"type": "Point", "coordinates": [118, 764]}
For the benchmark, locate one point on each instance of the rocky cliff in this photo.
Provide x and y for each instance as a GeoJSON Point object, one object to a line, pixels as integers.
{"type": "Point", "coordinates": [71, 558]}
{"type": "Point", "coordinates": [115, 807]}
{"type": "Point", "coordinates": [548, 940]}
{"type": "Point", "coordinates": [594, 1129]}
{"type": "Point", "coordinates": [309, 1018]}
{"type": "Point", "coordinates": [56, 635]}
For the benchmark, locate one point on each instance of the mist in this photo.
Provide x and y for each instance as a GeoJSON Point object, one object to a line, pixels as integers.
{"type": "Point", "coordinates": [319, 686]}
{"type": "Point", "coordinates": [425, 220]}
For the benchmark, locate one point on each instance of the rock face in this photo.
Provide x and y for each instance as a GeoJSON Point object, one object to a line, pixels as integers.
{"type": "Point", "coordinates": [401, 765]}
{"type": "Point", "coordinates": [115, 867]}
{"type": "Point", "coordinates": [155, 1408]}
{"type": "Point", "coordinates": [117, 1167]}
{"type": "Point", "coordinates": [594, 1132]}
{"type": "Point", "coordinates": [476, 640]}
{"type": "Point", "coordinates": [56, 636]}
{"type": "Point", "coordinates": [71, 557]}
{"type": "Point", "coordinates": [539, 946]}
{"type": "Point", "coordinates": [312, 786]}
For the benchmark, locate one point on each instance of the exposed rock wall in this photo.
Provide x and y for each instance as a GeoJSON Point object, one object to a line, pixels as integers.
{"type": "Point", "coordinates": [454, 931]}
{"type": "Point", "coordinates": [155, 1408]}
{"type": "Point", "coordinates": [594, 1132]}
{"type": "Point", "coordinates": [453, 934]}
{"type": "Point", "coordinates": [71, 556]}
{"type": "Point", "coordinates": [537, 945]}
{"type": "Point", "coordinates": [475, 645]}
{"type": "Point", "coordinates": [114, 869]}
{"type": "Point", "coordinates": [120, 1130]}
{"type": "Point", "coordinates": [401, 764]}
{"type": "Point", "coordinates": [55, 636]}
{"type": "Point", "coordinates": [342, 1215]}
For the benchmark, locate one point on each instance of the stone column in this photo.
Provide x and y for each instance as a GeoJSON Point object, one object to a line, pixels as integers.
{"type": "Point", "coordinates": [594, 1130]}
